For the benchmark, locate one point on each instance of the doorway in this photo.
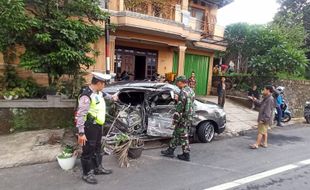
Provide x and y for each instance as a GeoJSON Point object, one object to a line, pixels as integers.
{"type": "Point", "coordinates": [140, 66]}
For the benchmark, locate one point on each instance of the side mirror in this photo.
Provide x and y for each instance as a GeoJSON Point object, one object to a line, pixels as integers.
{"type": "Point", "coordinates": [172, 94]}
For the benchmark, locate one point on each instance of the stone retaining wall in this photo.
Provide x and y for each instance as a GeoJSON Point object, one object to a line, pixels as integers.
{"type": "Point", "coordinates": [296, 93]}
{"type": "Point", "coordinates": [35, 114]}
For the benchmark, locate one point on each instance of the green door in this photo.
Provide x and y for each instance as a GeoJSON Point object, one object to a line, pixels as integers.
{"type": "Point", "coordinates": [175, 62]}
{"type": "Point", "coordinates": [200, 65]}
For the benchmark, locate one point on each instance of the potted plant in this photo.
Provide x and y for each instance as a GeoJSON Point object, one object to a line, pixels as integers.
{"type": "Point", "coordinates": [67, 158]}
{"type": "Point", "coordinates": [8, 94]}
{"type": "Point", "coordinates": [19, 93]}
{"type": "Point", "coordinates": [136, 148]}
{"type": "Point", "coordinates": [127, 147]}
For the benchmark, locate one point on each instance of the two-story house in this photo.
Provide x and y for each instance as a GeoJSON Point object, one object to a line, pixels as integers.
{"type": "Point", "coordinates": [161, 36]}
{"type": "Point", "coordinates": [164, 36]}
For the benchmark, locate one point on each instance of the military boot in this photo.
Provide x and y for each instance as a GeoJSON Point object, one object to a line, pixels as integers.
{"type": "Point", "coordinates": [184, 157]}
{"type": "Point", "coordinates": [99, 170]}
{"type": "Point", "coordinates": [168, 153]}
{"type": "Point", "coordinates": [88, 173]}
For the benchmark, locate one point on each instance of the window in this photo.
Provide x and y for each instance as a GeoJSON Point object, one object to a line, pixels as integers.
{"type": "Point", "coordinates": [199, 14]}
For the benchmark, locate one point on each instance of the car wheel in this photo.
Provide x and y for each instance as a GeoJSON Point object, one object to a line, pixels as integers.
{"type": "Point", "coordinates": [206, 132]}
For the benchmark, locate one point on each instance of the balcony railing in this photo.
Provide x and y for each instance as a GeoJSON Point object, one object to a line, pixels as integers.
{"type": "Point", "coordinates": [151, 8]}
{"type": "Point", "coordinates": [202, 26]}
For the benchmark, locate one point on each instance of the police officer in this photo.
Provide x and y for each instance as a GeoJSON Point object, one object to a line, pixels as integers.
{"type": "Point", "coordinates": [182, 120]}
{"type": "Point", "coordinates": [90, 118]}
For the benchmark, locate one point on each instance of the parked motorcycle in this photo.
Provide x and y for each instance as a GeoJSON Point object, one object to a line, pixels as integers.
{"type": "Point", "coordinates": [286, 114]}
{"type": "Point", "coordinates": [307, 112]}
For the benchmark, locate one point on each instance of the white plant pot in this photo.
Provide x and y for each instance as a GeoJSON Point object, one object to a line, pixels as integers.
{"type": "Point", "coordinates": [8, 97]}
{"type": "Point", "coordinates": [15, 97]}
{"type": "Point", "coordinates": [66, 163]}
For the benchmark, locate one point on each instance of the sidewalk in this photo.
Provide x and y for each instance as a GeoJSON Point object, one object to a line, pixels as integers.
{"type": "Point", "coordinates": [30, 147]}
{"type": "Point", "coordinates": [239, 118]}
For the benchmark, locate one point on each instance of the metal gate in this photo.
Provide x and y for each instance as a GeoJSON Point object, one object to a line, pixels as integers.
{"type": "Point", "coordinates": [200, 65]}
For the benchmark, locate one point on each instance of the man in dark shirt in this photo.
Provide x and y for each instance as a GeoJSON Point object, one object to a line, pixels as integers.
{"type": "Point", "coordinates": [221, 92]}
{"type": "Point", "coordinates": [253, 93]}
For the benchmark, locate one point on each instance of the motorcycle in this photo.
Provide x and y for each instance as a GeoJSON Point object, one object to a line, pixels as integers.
{"type": "Point", "coordinates": [307, 112]}
{"type": "Point", "coordinates": [286, 114]}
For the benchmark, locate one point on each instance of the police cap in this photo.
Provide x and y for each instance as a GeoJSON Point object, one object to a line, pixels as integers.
{"type": "Point", "coordinates": [101, 76]}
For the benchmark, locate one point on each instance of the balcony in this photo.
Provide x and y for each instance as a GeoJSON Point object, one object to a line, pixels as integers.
{"type": "Point", "coordinates": [171, 17]}
{"type": "Point", "coordinates": [208, 29]}
{"type": "Point", "coordinates": [153, 8]}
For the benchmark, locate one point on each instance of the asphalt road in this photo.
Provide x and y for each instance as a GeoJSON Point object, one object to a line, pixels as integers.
{"type": "Point", "coordinates": [221, 162]}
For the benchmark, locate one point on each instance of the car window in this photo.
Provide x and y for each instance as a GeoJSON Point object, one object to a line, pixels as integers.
{"type": "Point", "coordinates": [163, 98]}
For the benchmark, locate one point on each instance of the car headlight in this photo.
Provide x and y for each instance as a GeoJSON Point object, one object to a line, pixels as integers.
{"type": "Point", "coordinates": [222, 113]}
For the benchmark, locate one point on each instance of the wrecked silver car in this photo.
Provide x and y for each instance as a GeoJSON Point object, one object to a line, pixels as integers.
{"type": "Point", "coordinates": [146, 109]}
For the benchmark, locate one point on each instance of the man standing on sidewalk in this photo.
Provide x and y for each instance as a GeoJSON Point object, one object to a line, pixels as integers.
{"type": "Point", "coordinates": [90, 118]}
{"type": "Point", "coordinates": [182, 120]}
{"type": "Point", "coordinates": [264, 117]}
{"type": "Point", "coordinates": [221, 92]}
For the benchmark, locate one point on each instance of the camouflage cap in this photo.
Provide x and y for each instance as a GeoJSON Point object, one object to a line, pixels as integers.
{"type": "Point", "coordinates": [181, 78]}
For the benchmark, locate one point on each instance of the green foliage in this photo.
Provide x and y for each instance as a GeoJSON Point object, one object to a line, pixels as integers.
{"type": "Point", "coordinates": [10, 78]}
{"type": "Point", "coordinates": [72, 86]}
{"type": "Point", "coordinates": [14, 24]}
{"type": "Point", "coordinates": [266, 50]}
{"type": "Point", "coordinates": [67, 152]}
{"type": "Point", "coordinates": [57, 34]}
{"type": "Point", "coordinates": [12, 84]}
{"type": "Point", "coordinates": [121, 138]}
{"type": "Point", "coordinates": [293, 19]}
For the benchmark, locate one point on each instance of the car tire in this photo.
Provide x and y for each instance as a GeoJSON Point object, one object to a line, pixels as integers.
{"type": "Point", "coordinates": [206, 132]}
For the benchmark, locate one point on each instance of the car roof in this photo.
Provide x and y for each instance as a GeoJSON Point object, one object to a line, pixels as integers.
{"type": "Point", "coordinates": [115, 87]}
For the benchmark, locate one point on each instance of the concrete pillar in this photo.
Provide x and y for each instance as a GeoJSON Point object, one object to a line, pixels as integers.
{"type": "Point", "coordinates": [182, 50]}
{"type": "Point", "coordinates": [185, 12]}
{"type": "Point", "coordinates": [209, 88]}
{"type": "Point", "coordinates": [184, 5]}
{"type": "Point", "coordinates": [121, 5]}
{"type": "Point", "coordinates": [178, 13]}
{"type": "Point", "coordinates": [112, 52]}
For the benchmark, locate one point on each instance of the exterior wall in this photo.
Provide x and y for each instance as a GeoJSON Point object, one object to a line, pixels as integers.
{"type": "Point", "coordinates": [165, 61]}
{"type": "Point", "coordinates": [1, 58]}
{"type": "Point", "coordinates": [100, 65]}
{"type": "Point", "coordinates": [165, 55]}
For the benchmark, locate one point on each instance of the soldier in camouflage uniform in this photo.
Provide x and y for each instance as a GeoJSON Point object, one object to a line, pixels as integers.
{"type": "Point", "coordinates": [182, 120]}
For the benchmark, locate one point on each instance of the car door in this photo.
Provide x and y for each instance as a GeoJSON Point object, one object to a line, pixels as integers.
{"type": "Point", "coordinates": [160, 116]}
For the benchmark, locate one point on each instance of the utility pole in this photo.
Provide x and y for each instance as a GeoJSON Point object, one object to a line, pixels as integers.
{"type": "Point", "coordinates": [107, 40]}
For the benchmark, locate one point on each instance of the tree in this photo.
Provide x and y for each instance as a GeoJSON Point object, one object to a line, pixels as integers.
{"type": "Point", "coordinates": [266, 49]}
{"type": "Point", "coordinates": [14, 24]}
{"type": "Point", "coordinates": [59, 35]}
{"type": "Point", "coordinates": [295, 14]}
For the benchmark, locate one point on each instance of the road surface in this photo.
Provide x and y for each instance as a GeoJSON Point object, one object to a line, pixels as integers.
{"type": "Point", "coordinates": [222, 164]}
